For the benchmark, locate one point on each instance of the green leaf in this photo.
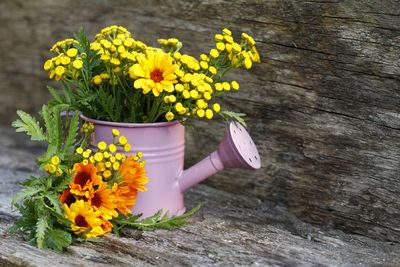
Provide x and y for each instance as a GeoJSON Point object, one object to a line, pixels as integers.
{"type": "Point", "coordinates": [58, 239]}
{"type": "Point", "coordinates": [154, 222]}
{"type": "Point", "coordinates": [29, 125]}
{"type": "Point", "coordinates": [48, 122]}
{"type": "Point", "coordinates": [236, 116]}
{"type": "Point", "coordinates": [72, 134]}
{"type": "Point", "coordinates": [41, 226]}
{"type": "Point", "coordinates": [25, 194]}
{"type": "Point", "coordinates": [57, 96]}
{"type": "Point", "coordinates": [54, 200]}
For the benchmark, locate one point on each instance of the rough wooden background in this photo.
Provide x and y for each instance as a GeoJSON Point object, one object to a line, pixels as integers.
{"type": "Point", "coordinates": [323, 106]}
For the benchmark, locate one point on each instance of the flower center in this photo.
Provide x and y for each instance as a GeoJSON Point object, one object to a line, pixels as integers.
{"type": "Point", "coordinates": [96, 200]}
{"type": "Point", "coordinates": [80, 221]}
{"type": "Point", "coordinates": [156, 76]}
{"type": "Point", "coordinates": [81, 178]}
{"type": "Point", "coordinates": [69, 200]}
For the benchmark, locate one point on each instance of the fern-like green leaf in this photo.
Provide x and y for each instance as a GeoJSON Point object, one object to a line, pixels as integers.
{"type": "Point", "coordinates": [25, 194]}
{"type": "Point", "coordinates": [236, 116]}
{"type": "Point", "coordinates": [57, 96]}
{"type": "Point", "coordinates": [54, 200]}
{"type": "Point", "coordinates": [40, 235]}
{"type": "Point", "coordinates": [29, 125]}
{"type": "Point", "coordinates": [58, 239]}
{"type": "Point", "coordinates": [154, 222]}
{"type": "Point", "coordinates": [72, 134]}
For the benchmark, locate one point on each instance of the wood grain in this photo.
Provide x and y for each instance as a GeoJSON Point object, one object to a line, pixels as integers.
{"type": "Point", "coordinates": [323, 106]}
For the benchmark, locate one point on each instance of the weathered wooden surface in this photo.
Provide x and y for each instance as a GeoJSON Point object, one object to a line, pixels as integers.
{"type": "Point", "coordinates": [323, 106]}
{"type": "Point", "coordinates": [229, 229]}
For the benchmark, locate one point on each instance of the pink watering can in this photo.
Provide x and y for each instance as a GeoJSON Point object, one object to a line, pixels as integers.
{"type": "Point", "coordinates": [163, 147]}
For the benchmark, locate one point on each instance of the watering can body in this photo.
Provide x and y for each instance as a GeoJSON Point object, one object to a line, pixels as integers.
{"type": "Point", "coordinates": [163, 146]}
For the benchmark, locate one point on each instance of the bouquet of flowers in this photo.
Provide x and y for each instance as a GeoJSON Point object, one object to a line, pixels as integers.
{"type": "Point", "coordinates": [82, 194]}
{"type": "Point", "coordinates": [120, 79]}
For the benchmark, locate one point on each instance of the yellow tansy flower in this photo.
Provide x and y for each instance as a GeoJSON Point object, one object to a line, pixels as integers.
{"type": "Point", "coordinates": [77, 64]}
{"type": "Point", "coordinates": [72, 52]}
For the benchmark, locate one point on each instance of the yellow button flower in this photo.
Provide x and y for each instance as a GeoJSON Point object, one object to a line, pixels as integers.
{"type": "Point", "coordinates": [200, 113]}
{"type": "Point", "coordinates": [122, 140]}
{"type": "Point", "coordinates": [226, 31]}
{"type": "Point", "coordinates": [79, 150]}
{"type": "Point", "coordinates": [112, 148]}
{"type": "Point", "coordinates": [97, 80]}
{"type": "Point", "coordinates": [59, 70]}
{"type": "Point", "coordinates": [98, 156]}
{"type": "Point", "coordinates": [219, 87]}
{"type": "Point", "coordinates": [140, 154]}
{"type": "Point", "coordinates": [72, 52]}
{"type": "Point", "coordinates": [118, 156]}
{"type": "Point", "coordinates": [48, 64]}
{"type": "Point", "coordinates": [172, 99]}
{"type": "Point", "coordinates": [127, 147]}
{"type": "Point", "coordinates": [216, 107]}
{"type": "Point", "coordinates": [115, 132]}
{"type": "Point", "coordinates": [116, 166]}
{"type": "Point", "coordinates": [59, 172]}
{"type": "Point", "coordinates": [227, 86]}
{"type": "Point", "coordinates": [169, 116]}
{"type": "Point", "coordinates": [212, 70]}
{"type": "Point", "coordinates": [214, 53]}
{"type": "Point", "coordinates": [248, 63]}
{"type": "Point", "coordinates": [220, 46]}
{"type": "Point", "coordinates": [209, 114]}
{"type": "Point", "coordinates": [85, 162]}
{"type": "Point", "coordinates": [91, 159]}
{"type": "Point", "coordinates": [102, 145]}
{"type": "Point", "coordinates": [235, 85]}
{"type": "Point", "coordinates": [186, 94]}
{"type": "Point", "coordinates": [219, 37]}
{"type": "Point", "coordinates": [107, 174]}
{"type": "Point", "coordinates": [77, 64]}
{"type": "Point", "coordinates": [55, 160]}
{"type": "Point", "coordinates": [204, 65]}
{"type": "Point", "coordinates": [194, 94]}
{"type": "Point", "coordinates": [86, 154]}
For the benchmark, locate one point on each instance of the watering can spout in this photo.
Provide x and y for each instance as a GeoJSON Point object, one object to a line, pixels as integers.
{"type": "Point", "coordinates": [237, 150]}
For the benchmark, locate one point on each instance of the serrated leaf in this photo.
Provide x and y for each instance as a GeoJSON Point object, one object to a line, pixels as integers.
{"type": "Point", "coordinates": [72, 134]}
{"type": "Point", "coordinates": [54, 200]}
{"type": "Point", "coordinates": [236, 116]}
{"type": "Point", "coordinates": [58, 239]}
{"type": "Point", "coordinates": [40, 232]}
{"type": "Point", "coordinates": [25, 194]}
{"type": "Point", "coordinates": [57, 96]}
{"type": "Point", "coordinates": [29, 125]}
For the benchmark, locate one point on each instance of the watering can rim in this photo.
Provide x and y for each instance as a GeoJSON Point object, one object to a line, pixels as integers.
{"type": "Point", "coordinates": [130, 125]}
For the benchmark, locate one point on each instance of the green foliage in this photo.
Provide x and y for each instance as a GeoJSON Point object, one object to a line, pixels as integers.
{"type": "Point", "coordinates": [38, 203]}
{"type": "Point", "coordinates": [29, 125]}
{"type": "Point", "coordinates": [233, 115]}
{"type": "Point", "coordinates": [153, 222]}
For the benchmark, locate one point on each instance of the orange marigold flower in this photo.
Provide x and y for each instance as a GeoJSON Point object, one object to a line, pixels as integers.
{"type": "Point", "coordinates": [132, 180]}
{"type": "Point", "coordinates": [67, 197]}
{"type": "Point", "coordinates": [83, 216]}
{"type": "Point", "coordinates": [84, 179]}
{"type": "Point", "coordinates": [106, 226]}
{"type": "Point", "coordinates": [104, 201]}
{"type": "Point", "coordinates": [125, 198]}
{"type": "Point", "coordinates": [132, 174]}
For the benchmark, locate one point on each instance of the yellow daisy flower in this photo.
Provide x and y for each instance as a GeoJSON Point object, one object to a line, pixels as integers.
{"type": "Point", "coordinates": [156, 71]}
{"type": "Point", "coordinates": [84, 217]}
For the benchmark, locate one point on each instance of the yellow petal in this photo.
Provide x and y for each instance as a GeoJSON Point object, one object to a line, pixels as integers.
{"type": "Point", "coordinates": [138, 70]}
